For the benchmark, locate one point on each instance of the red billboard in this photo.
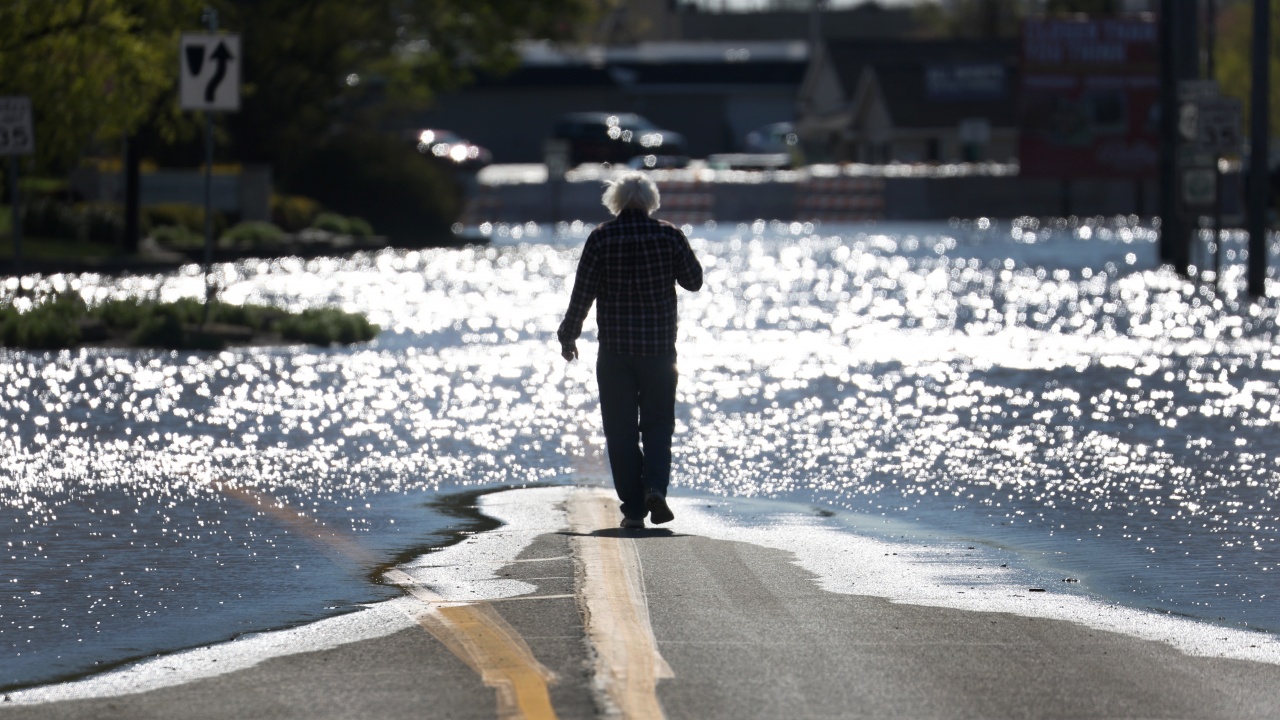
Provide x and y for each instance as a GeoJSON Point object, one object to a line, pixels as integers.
{"type": "Point", "coordinates": [1089, 103]}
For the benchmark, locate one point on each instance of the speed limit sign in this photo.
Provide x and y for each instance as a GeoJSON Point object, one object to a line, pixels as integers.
{"type": "Point", "coordinates": [16, 133]}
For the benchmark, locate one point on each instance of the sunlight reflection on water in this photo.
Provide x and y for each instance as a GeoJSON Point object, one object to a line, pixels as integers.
{"type": "Point", "coordinates": [1037, 386]}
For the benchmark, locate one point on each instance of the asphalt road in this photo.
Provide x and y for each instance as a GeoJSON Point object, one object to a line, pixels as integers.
{"type": "Point", "coordinates": [658, 623]}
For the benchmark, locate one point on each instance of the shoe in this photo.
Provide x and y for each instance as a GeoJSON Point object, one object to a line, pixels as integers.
{"type": "Point", "coordinates": [633, 523]}
{"type": "Point", "coordinates": [658, 511]}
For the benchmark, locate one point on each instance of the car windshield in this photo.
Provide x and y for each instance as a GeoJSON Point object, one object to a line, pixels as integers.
{"type": "Point", "coordinates": [635, 123]}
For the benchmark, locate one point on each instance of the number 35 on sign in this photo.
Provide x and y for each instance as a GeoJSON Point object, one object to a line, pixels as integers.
{"type": "Point", "coordinates": [17, 136]}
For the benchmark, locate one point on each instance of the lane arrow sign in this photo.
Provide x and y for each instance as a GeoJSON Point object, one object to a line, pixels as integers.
{"type": "Point", "coordinates": [209, 72]}
{"type": "Point", "coordinates": [221, 56]}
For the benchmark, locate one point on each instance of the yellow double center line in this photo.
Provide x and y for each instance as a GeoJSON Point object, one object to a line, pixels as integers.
{"type": "Point", "coordinates": [611, 587]}
{"type": "Point", "coordinates": [612, 597]}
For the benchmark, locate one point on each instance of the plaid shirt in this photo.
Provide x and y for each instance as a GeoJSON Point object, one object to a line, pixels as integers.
{"type": "Point", "coordinates": [630, 265]}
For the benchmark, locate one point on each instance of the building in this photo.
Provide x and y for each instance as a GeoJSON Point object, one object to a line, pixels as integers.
{"type": "Point", "coordinates": [713, 93]}
{"type": "Point", "coordinates": [879, 101]}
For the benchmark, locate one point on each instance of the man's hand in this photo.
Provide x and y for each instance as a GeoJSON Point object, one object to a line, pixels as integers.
{"type": "Point", "coordinates": [569, 352]}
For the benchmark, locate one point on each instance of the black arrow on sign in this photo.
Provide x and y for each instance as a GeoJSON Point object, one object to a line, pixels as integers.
{"type": "Point", "coordinates": [195, 59]}
{"type": "Point", "coordinates": [222, 56]}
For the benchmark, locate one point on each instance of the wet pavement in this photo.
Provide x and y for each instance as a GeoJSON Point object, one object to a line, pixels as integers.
{"type": "Point", "coordinates": [735, 630]}
{"type": "Point", "coordinates": [1039, 388]}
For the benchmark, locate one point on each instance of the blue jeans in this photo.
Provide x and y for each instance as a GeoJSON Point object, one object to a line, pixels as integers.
{"type": "Point", "coordinates": [638, 405]}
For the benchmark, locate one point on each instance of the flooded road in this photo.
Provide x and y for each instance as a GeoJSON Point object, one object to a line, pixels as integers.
{"type": "Point", "coordinates": [1040, 388]}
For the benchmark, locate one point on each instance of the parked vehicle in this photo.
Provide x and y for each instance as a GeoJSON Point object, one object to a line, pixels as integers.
{"type": "Point", "coordinates": [450, 148]}
{"type": "Point", "coordinates": [603, 137]}
{"type": "Point", "coordinates": [779, 137]}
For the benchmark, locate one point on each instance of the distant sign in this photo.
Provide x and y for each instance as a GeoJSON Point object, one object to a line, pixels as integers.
{"type": "Point", "coordinates": [209, 68]}
{"type": "Point", "coordinates": [1218, 129]}
{"type": "Point", "coordinates": [1089, 98]}
{"type": "Point", "coordinates": [966, 81]}
{"type": "Point", "coordinates": [17, 135]}
{"type": "Point", "coordinates": [1199, 187]}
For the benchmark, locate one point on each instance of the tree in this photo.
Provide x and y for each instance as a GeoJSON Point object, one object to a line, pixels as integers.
{"type": "Point", "coordinates": [970, 18]}
{"type": "Point", "coordinates": [93, 68]}
{"type": "Point", "coordinates": [102, 69]}
{"type": "Point", "coordinates": [1233, 66]}
{"type": "Point", "coordinates": [312, 68]}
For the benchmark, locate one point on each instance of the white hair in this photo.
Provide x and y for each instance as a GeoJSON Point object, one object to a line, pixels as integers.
{"type": "Point", "coordinates": [631, 190]}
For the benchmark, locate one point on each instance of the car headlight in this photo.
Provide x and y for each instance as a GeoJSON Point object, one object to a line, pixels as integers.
{"type": "Point", "coordinates": [458, 153]}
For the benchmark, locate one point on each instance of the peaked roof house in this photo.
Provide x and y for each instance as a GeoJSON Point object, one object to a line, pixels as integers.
{"type": "Point", "coordinates": [910, 101]}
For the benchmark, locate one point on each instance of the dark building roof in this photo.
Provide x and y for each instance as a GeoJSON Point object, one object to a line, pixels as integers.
{"type": "Point", "coordinates": [639, 74]}
{"type": "Point", "coordinates": [869, 19]}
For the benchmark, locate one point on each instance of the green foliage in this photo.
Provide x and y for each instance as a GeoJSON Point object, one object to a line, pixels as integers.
{"type": "Point", "coordinates": [177, 237]}
{"type": "Point", "coordinates": [187, 215]}
{"type": "Point", "coordinates": [374, 176]}
{"type": "Point", "coordinates": [389, 55]}
{"type": "Point", "coordinates": [324, 326]}
{"type": "Point", "coordinates": [45, 217]}
{"type": "Point", "coordinates": [252, 234]}
{"type": "Point", "coordinates": [332, 222]}
{"type": "Point", "coordinates": [342, 225]}
{"type": "Point", "coordinates": [48, 218]}
{"type": "Point", "coordinates": [52, 324]}
{"type": "Point", "coordinates": [293, 212]}
{"type": "Point", "coordinates": [359, 227]}
{"type": "Point", "coordinates": [103, 222]}
{"type": "Point", "coordinates": [121, 314]}
{"type": "Point", "coordinates": [970, 18]}
{"type": "Point", "coordinates": [1233, 66]}
{"type": "Point", "coordinates": [92, 69]}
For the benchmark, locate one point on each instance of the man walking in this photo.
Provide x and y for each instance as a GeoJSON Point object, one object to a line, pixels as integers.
{"type": "Point", "coordinates": [629, 267]}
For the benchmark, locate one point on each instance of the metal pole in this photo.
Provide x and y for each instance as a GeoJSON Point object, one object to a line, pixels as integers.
{"type": "Point", "coordinates": [211, 17]}
{"type": "Point", "coordinates": [1211, 23]}
{"type": "Point", "coordinates": [1171, 226]}
{"type": "Point", "coordinates": [15, 194]}
{"type": "Point", "coordinates": [1259, 134]}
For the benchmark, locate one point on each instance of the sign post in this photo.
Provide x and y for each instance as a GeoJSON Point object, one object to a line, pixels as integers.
{"type": "Point", "coordinates": [209, 68]}
{"type": "Point", "coordinates": [1209, 128]}
{"type": "Point", "coordinates": [17, 138]}
{"type": "Point", "coordinates": [555, 153]}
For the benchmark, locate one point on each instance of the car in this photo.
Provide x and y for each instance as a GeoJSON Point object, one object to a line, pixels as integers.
{"type": "Point", "coordinates": [450, 148]}
{"type": "Point", "coordinates": [605, 137]}
{"type": "Point", "coordinates": [779, 137]}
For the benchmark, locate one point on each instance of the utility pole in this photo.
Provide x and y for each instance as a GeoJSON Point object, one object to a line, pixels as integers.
{"type": "Point", "coordinates": [1259, 134]}
{"type": "Point", "coordinates": [1179, 60]}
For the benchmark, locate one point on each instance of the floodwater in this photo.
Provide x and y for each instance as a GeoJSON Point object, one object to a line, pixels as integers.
{"type": "Point", "coordinates": [1041, 388]}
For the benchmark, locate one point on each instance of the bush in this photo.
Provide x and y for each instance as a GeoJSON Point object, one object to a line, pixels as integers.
{"type": "Point", "coordinates": [102, 222]}
{"type": "Point", "coordinates": [293, 212]}
{"type": "Point", "coordinates": [48, 218]}
{"type": "Point", "coordinates": [186, 215]}
{"type": "Point", "coordinates": [163, 327]}
{"type": "Point", "coordinates": [359, 227]}
{"type": "Point", "coordinates": [177, 237]}
{"type": "Point", "coordinates": [121, 314]}
{"type": "Point", "coordinates": [325, 326]}
{"type": "Point", "coordinates": [332, 222]}
{"type": "Point", "coordinates": [251, 235]}
{"type": "Point", "coordinates": [381, 179]}
{"type": "Point", "coordinates": [52, 324]}
{"type": "Point", "coordinates": [258, 317]}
